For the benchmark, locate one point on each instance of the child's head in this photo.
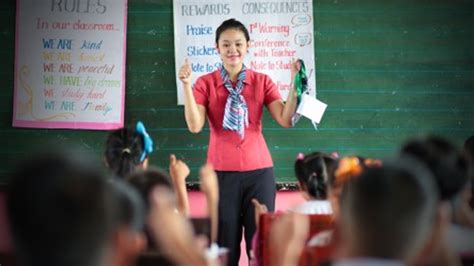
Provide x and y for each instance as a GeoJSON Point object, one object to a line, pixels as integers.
{"type": "Point", "coordinates": [145, 181]}
{"type": "Point", "coordinates": [131, 208]}
{"type": "Point", "coordinates": [469, 145]}
{"type": "Point", "coordinates": [348, 168]}
{"type": "Point", "coordinates": [129, 239]}
{"type": "Point", "coordinates": [388, 211]}
{"type": "Point", "coordinates": [128, 149]}
{"type": "Point", "coordinates": [313, 172]}
{"type": "Point", "coordinates": [448, 165]}
{"type": "Point", "coordinates": [61, 211]}
{"type": "Point", "coordinates": [469, 150]}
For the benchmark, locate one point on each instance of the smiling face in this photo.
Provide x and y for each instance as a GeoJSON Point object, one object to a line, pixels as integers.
{"type": "Point", "coordinates": [232, 47]}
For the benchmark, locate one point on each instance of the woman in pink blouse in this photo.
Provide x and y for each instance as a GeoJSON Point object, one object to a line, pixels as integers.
{"type": "Point", "coordinates": [232, 98]}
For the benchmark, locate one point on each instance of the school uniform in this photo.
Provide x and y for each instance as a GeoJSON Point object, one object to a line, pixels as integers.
{"type": "Point", "coordinates": [313, 207]}
{"type": "Point", "coordinates": [243, 164]}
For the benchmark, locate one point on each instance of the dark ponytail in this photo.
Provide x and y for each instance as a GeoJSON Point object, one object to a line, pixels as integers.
{"type": "Point", "coordinates": [123, 150]}
{"type": "Point", "coordinates": [314, 172]}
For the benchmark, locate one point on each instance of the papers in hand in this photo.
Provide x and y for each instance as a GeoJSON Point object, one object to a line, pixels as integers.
{"type": "Point", "coordinates": [311, 108]}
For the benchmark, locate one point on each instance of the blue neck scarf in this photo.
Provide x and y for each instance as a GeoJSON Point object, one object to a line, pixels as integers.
{"type": "Point", "coordinates": [236, 110]}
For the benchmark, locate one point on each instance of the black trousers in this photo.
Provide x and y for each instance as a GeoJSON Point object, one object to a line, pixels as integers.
{"type": "Point", "coordinates": [236, 190]}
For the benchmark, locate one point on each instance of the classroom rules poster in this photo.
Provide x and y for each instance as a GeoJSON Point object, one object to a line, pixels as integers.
{"type": "Point", "coordinates": [70, 64]}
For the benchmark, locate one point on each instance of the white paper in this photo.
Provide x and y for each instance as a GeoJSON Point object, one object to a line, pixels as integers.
{"type": "Point", "coordinates": [311, 108]}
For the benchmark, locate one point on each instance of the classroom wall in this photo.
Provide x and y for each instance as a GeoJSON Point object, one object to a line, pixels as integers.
{"type": "Point", "coordinates": [388, 70]}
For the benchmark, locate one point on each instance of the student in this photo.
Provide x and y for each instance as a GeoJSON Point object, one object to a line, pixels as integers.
{"type": "Point", "coordinates": [450, 173]}
{"type": "Point", "coordinates": [469, 148]}
{"type": "Point", "coordinates": [128, 240]}
{"type": "Point", "coordinates": [179, 171]}
{"type": "Point", "coordinates": [314, 172]}
{"type": "Point", "coordinates": [127, 149]}
{"type": "Point", "coordinates": [386, 215]}
{"type": "Point", "coordinates": [233, 98]}
{"type": "Point", "coordinates": [448, 165]}
{"type": "Point", "coordinates": [208, 184]}
{"type": "Point", "coordinates": [288, 236]}
{"type": "Point", "coordinates": [469, 151]}
{"type": "Point", "coordinates": [145, 181]}
{"type": "Point", "coordinates": [460, 234]}
{"type": "Point", "coordinates": [348, 168]}
{"type": "Point", "coordinates": [173, 232]}
{"type": "Point", "coordinates": [62, 212]}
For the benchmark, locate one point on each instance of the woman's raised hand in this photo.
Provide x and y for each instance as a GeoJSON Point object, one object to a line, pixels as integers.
{"type": "Point", "coordinates": [295, 67]}
{"type": "Point", "coordinates": [185, 72]}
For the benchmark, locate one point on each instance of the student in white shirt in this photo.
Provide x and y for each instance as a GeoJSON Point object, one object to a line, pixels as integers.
{"type": "Point", "coordinates": [314, 171]}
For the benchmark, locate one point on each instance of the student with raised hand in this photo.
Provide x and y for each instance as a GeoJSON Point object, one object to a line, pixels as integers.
{"type": "Point", "coordinates": [210, 187]}
{"type": "Point", "coordinates": [145, 181]}
{"type": "Point", "coordinates": [179, 171]}
{"type": "Point", "coordinates": [127, 149]}
{"type": "Point", "coordinates": [232, 98]}
{"type": "Point", "coordinates": [173, 233]}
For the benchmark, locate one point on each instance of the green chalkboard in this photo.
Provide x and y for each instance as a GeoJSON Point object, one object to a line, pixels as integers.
{"type": "Point", "coordinates": [388, 70]}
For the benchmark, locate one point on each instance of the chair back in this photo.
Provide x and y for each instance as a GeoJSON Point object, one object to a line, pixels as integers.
{"type": "Point", "coordinates": [318, 223]}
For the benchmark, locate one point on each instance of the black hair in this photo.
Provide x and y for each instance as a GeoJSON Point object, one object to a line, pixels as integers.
{"type": "Point", "coordinates": [232, 24]}
{"type": "Point", "coordinates": [469, 152]}
{"type": "Point", "coordinates": [314, 172]}
{"type": "Point", "coordinates": [123, 150]}
{"type": "Point", "coordinates": [448, 165]}
{"type": "Point", "coordinates": [61, 211]}
{"type": "Point", "coordinates": [390, 209]}
{"type": "Point", "coordinates": [144, 181]}
{"type": "Point", "coordinates": [131, 209]}
{"type": "Point", "coordinates": [469, 148]}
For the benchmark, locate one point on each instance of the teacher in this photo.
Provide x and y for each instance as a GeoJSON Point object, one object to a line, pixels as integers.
{"type": "Point", "coordinates": [232, 98]}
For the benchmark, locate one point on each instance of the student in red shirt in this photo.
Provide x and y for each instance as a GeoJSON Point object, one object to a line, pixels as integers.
{"type": "Point", "coordinates": [233, 98]}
